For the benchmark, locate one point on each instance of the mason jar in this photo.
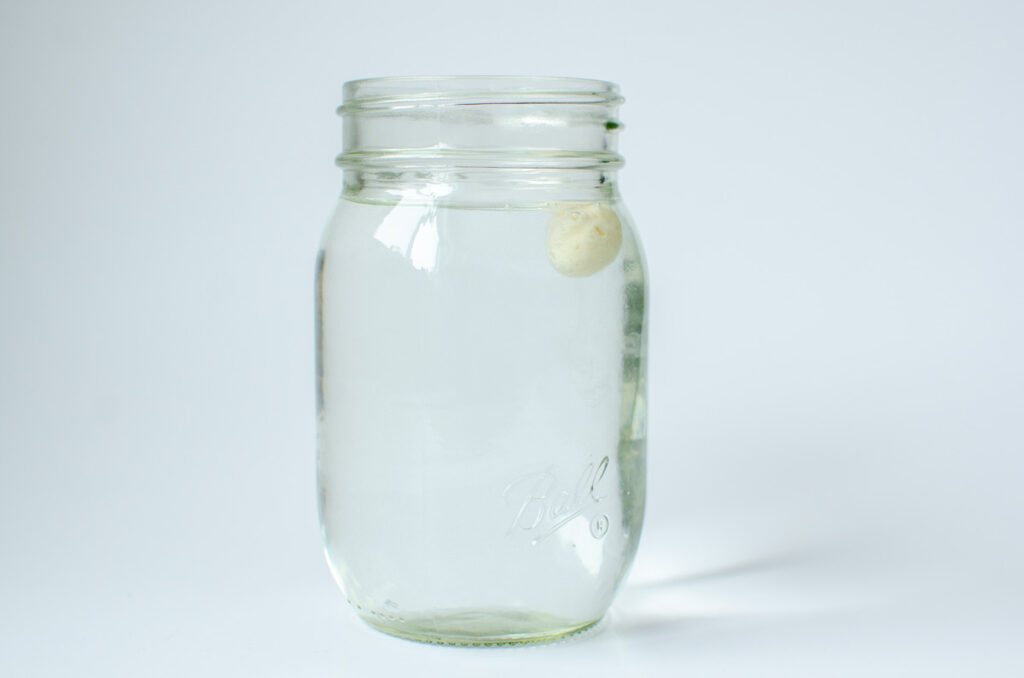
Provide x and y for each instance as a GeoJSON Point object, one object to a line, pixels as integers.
{"type": "Point", "coordinates": [481, 339]}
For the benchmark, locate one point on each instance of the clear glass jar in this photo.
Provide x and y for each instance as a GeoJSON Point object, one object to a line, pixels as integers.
{"type": "Point", "coordinates": [481, 335]}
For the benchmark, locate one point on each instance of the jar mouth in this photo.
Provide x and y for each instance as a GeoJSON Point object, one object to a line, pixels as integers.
{"type": "Point", "coordinates": [399, 92]}
{"type": "Point", "coordinates": [502, 122]}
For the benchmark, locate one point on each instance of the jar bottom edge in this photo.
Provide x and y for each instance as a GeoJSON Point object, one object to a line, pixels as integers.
{"type": "Point", "coordinates": [481, 628]}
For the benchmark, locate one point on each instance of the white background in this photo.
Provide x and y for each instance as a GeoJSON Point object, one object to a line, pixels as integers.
{"type": "Point", "coordinates": [831, 198]}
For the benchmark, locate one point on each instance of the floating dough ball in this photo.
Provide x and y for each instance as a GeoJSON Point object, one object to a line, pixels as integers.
{"type": "Point", "coordinates": [583, 238]}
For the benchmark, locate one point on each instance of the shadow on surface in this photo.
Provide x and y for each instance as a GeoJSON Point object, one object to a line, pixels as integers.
{"type": "Point", "coordinates": [750, 566]}
{"type": "Point", "coordinates": [682, 600]}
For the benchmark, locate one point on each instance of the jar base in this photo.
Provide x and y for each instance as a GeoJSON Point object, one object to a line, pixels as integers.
{"type": "Point", "coordinates": [479, 627]}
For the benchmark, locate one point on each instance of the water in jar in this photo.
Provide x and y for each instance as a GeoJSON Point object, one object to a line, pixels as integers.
{"type": "Point", "coordinates": [481, 435]}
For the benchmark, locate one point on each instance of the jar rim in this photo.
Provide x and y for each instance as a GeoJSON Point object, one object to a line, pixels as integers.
{"type": "Point", "coordinates": [426, 90]}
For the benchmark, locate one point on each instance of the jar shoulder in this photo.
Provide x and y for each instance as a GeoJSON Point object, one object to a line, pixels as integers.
{"type": "Point", "coordinates": [415, 226]}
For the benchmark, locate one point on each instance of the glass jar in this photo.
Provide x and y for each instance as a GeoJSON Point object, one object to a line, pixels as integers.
{"type": "Point", "coordinates": [481, 335]}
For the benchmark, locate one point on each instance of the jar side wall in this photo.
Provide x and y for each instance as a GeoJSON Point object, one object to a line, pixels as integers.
{"type": "Point", "coordinates": [633, 417]}
{"type": "Point", "coordinates": [481, 419]}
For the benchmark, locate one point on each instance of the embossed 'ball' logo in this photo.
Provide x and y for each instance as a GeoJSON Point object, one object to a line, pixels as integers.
{"type": "Point", "coordinates": [543, 505]}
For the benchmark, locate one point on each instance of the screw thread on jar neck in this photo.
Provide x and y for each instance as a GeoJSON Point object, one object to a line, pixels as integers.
{"type": "Point", "coordinates": [478, 137]}
{"type": "Point", "coordinates": [499, 122]}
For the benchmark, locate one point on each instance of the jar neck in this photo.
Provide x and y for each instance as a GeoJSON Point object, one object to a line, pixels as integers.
{"type": "Point", "coordinates": [460, 186]}
{"type": "Point", "coordinates": [481, 140]}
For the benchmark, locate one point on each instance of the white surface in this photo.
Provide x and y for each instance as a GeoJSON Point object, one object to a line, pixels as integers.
{"type": "Point", "coordinates": [830, 196]}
